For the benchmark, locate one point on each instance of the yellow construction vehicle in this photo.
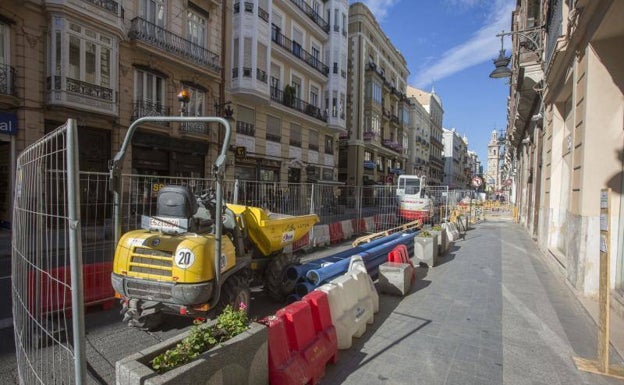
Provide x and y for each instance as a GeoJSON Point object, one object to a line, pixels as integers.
{"type": "Point", "coordinates": [170, 265]}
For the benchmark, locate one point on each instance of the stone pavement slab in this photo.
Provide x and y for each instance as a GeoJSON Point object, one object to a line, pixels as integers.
{"type": "Point", "coordinates": [491, 312]}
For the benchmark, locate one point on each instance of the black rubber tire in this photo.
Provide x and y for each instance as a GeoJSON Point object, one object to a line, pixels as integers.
{"type": "Point", "coordinates": [234, 291]}
{"type": "Point", "coordinates": [276, 284]}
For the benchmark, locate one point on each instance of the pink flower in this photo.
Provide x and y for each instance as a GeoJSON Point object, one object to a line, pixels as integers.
{"type": "Point", "coordinates": [242, 306]}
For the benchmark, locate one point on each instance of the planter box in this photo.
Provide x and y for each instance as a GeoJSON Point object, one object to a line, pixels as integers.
{"type": "Point", "coordinates": [442, 241]}
{"type": "Point", "coordinates": [240, 360]}
{"type": "Point", "coordinates": [424, 250]}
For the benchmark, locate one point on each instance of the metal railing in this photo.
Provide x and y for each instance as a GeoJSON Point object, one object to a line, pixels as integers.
{"type": "Point", "coordinates": [296, 103]}
{"type": "Point", "coordinates": [298, 51]}
{"type": "Point", "coordinates": [311, 13]}
{"type": "Point", "coordinates": [154, 35]}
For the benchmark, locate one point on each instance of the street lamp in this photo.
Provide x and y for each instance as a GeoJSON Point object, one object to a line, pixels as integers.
{"type": "Point", "coordinates": [532, 43]}
{"type": "Point", "coordinates": [501, 63]}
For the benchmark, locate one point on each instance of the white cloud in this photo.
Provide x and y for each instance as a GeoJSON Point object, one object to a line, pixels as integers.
{"type": "Point", "coordinates": [380, 8]}
{"type": "Point", "coordinates": [482, 46]}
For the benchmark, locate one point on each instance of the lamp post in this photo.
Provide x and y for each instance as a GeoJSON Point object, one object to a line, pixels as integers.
{"type": "Point", "coordinates": [502, 61]}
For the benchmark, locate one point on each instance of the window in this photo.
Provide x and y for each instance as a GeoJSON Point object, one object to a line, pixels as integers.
{"type": "Point", "coordinates": [315, 54]}
{"type": "Point", "coordinates": [295, 135]}
{"type": "Point", "coordinates": [296, 82]}
{"type": "Point", "coordinates": [4, 44]}
{"type": "Point", "coordinates": [149, 94]}
{"type": "Point", "coordinates": [314, 96]}
{"type": "Point", "coordinates": [196, 28]}
{"type": "Point", "coordinates": [245, 121]}
{"type": "Point", "coordinates": [329, 144]}
{"type": "Point", "coordinates": [82, 61]}
{"type": "Point", "coordinates": [317, 7]}
{"type": "Point", "coordinates": [153, 11]}
{"type": "Point", "coordinates": [313, 143]}
{"type": "Point", "coordinates": [274, 129]}
{"type": "Point", "coordinates": [196, 105]}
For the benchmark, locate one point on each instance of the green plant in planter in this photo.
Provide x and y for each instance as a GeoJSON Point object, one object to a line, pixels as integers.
{"type": "Point", "coordinates": [202, 338]}
{"type": "Point", "coordinates": [289, 95]}
{"type": "Point", "coordinates": [437, 228]}
{"type": "Point", "coordinates": [424, 234]}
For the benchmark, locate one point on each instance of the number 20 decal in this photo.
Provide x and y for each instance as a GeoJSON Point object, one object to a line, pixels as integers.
{"type": "Point", "coordinates": [184, 258]}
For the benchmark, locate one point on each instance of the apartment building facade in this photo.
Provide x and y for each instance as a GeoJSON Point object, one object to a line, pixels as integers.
{"type": "Point", "coordinates": [566, 133]}
{"type": "Point", "coordinates": [375, 147]}
{"type": "Point", "coordinates": [107, 64]}
{"type": "Point", "coordinates": [287, 87]}
{"type": "Point", "coordinates": [433, 105]}
{"type": "Point", "coordinates": [455, 155]}
{"type": "Point", "coordinates": [419, 141]}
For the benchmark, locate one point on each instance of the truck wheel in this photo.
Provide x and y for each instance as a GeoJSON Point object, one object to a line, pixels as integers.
{"type": "Point", "coordinates": [142, 317]}
{"type": "Point", "coordinates": [234, 291]}
{"type": "Point", "coordinates": [276, 283]}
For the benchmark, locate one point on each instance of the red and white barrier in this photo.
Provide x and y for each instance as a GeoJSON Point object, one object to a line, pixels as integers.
{"type": "Point", "coordinates": [347, 229]}
{"type": "Point", "coordinates": [353, 300]}
{"type": "Point", "coordinates": [320, 236]}
{"type": "Point", "coordinates": [302, 341]}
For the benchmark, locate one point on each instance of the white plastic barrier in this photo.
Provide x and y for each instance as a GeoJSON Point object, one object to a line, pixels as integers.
{"type": "Point", "coordinates": [319, 236]}
{"type": "Point", "coordinates": [353, 301]}
{"type": "Point", "coordinates": [369, 222]}
{"type": "Point", "coordinates": [451, 231]}
{"type": "Point", "coordinates": [347, 229]}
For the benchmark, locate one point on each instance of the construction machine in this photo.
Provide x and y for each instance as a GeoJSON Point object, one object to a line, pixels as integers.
{"type": "Point", "coordinates": [199, 253]}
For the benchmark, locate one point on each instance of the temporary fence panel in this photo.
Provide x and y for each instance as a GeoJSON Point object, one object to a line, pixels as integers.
{"type": "Point", "coordinates": [46, 264]}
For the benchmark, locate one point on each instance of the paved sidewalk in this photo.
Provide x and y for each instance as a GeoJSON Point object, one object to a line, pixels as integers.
{"type": "Point", "coordinates": [491, 313]}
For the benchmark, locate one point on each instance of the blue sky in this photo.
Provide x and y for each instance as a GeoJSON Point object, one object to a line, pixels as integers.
{"type": "Point", "coordinates": [450, 44]}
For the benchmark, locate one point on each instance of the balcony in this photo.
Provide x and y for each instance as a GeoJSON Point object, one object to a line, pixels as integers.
{"type": "Point", "coordinates": [313, 147]}
{"type": "Point", "coordinates": [311, 13]}
{"type": "Point", "coordinates": [295, 48]}
{"type": "Point", "coordinates": [158, 37]}
{"type": "Point", "coordinates": [368, 135]}
{"type": "Point", "coordinates": [245, 128]}
{"type": "Point", "coordinates": [143, 108]}
{"type": "Point", "coordinates": [194, 127]}
{"type": "Point", "coordinates": [7, 80]}
{"type": "Point", "coordinates": [108, 5]}
{"type": "Point", "coordinates": [78, 94]}
{"type": "Point", "coordinates": [295, 103]}
{"type": "Point", "coordinates": [391, 144]}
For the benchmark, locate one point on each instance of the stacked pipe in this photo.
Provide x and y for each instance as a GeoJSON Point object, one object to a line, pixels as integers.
{"type": "Point", "coordinates": [314, 273]}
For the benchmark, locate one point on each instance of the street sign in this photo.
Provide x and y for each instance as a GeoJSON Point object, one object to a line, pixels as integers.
{"type": "Point", "coordinates": [477, 182]}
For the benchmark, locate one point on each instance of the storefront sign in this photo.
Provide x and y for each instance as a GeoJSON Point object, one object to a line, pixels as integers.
{"type": "Point", "coordinates": [8, 123]}
{"type": "Point", "coordinates": [241, 152]}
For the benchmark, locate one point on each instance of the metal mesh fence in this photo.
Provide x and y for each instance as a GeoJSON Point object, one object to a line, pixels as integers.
{"type": "Point", "coordinates": [45, 262]}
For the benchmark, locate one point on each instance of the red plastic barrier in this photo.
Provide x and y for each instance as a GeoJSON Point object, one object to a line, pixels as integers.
{"type": "Point", "coordinates": [97, 284]}
{"type": "Point", "coordinates": [301, 243]}
{"type": "Point", "coordinates": [400, 255]}
{"type": "Point", "coordinates": [335, 232]}
{"type": "Point", "coordinates": [359, 226]}
{"type": "Point", "coordinates": [50, 290]}
{"type": "Point", "coordinates": [302, 340]}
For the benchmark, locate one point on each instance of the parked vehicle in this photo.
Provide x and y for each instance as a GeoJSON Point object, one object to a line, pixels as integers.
{"type": "Point", "coordinates": [413, 203]}
{"type": "Point", "coordinates": [199, 254]}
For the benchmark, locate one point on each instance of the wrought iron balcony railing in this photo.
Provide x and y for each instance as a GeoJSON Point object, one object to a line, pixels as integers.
{"type": "Point", "coordinates": [176, 45]}
{"type": "Point", "coordinates": [295, 103]}
{"type": "Point", "coordinates": [296, 49]}
{"type": "Point", "coordinates": [142, 108]}
{"type": "Point", "coordinates": [55, 83]}
{"type": "Point", "coordinates": [7, 80]}
{"type": "Point", "coordinates": [109, 5]}
{"type": "Point", "coordinates": [194, 127]}
{"type": "Point", "coordinates": [301, 4]}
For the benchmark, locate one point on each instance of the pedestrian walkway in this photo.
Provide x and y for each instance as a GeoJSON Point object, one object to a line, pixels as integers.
{"type": "Point", "coordinates": [492, 312]}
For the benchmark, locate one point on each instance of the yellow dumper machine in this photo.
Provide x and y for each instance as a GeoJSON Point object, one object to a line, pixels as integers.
{"type": "Point", "coordinates": [170, 265]}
